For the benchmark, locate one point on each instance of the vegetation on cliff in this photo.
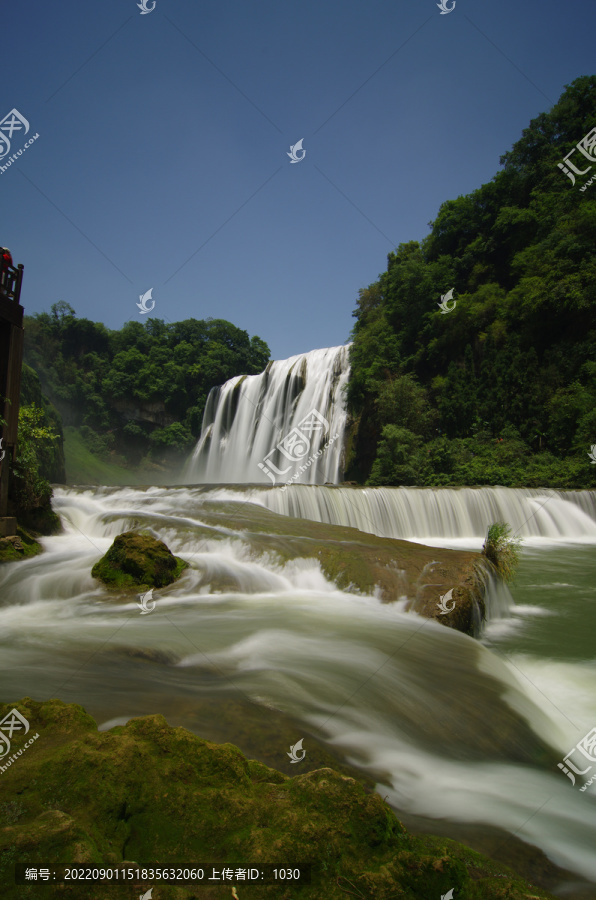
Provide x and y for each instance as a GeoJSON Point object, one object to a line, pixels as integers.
{"type": "Point", "coordinates": [138, 392]}
{"type": "Point", "coordinates": [153, 795]}
{"type": "Point", "coordinates": [39, 460]}
{"type": "Point", "coordinates": [502, 389]}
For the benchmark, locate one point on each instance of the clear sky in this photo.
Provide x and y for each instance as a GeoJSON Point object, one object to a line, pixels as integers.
{"type": "Point", "coordinates": [162, 156]}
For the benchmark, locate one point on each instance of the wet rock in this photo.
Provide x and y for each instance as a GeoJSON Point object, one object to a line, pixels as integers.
{"type": "Point", "coordinates": [137, 559]}
{"type": "Point", "coordinates": [452, 593]}
{"type": "Point", "coordinates": [360, 562]}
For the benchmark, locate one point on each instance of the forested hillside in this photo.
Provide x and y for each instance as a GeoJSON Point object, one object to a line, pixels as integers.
{"type": "Point", "coordinates": [137, 393]}
{"type": "Point", "coordinates": [502, 389]}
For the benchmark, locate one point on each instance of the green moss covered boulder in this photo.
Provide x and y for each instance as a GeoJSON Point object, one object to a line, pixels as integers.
{"type": "Point", "coordinates": [137, 559]}
{"type": "Point", "coordinates": [22, 545]}
{"type": "Point", "coordinates": [151, 795]}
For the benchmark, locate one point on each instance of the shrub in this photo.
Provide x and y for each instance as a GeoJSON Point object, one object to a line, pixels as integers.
{"type": "Point", "coordinates": [502, 550]}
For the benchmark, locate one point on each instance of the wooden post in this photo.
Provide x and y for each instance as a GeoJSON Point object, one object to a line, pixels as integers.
{"type": "Point", "coordinates": [11, 361]}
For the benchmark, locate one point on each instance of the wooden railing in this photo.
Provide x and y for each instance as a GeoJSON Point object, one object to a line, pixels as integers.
{"type": "Point", "coordinates": [11, 278]}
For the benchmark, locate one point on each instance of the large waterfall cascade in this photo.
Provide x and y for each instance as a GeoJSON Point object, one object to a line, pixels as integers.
{"type": "Point", "coordinates": [283, 426]}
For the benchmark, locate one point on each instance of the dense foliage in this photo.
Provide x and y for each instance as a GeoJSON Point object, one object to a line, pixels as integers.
{"type": "Point", "coordinates": [30, 492]}
{"type": "Point", "coordinates": [502, 549]}
{"type": "Point", "coordinates": [49, 451]}
{"type": "Point", "coordinates": [502, 390]}
{"type": "Point", "coordinates": [140, 390]}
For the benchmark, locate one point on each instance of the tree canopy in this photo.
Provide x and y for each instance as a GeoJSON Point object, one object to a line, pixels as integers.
{"type": "Point", "coordinates": [503, 388]}
{"type": "Point", "coordinates": [141, 387]}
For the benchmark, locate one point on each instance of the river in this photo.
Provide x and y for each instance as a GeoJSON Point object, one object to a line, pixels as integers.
{"type": "Point", "coordinates": [261, 650]}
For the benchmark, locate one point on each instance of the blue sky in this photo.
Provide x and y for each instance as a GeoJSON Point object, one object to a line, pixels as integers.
{"type": "Point", "coordinates": [162, 157]}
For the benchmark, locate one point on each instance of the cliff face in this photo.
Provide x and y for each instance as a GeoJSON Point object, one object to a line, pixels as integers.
{"type": "Point", "coordinates": [148, 795]}
{"type": "Point", "coordinates": [153, 413]}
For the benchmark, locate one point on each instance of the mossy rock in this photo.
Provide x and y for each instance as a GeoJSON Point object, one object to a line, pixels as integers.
{"type": "Point", "coordinates": [39, 520]}
{"type": "Point", "coordinates": [20, 546]}
{"type": "Point", "coordinates": [137, 559]}
{"type": "Point", "coordinates": [155, 795]}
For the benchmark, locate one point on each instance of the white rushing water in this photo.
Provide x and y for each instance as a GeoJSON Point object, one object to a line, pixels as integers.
{"type": "Point", "coordinates": [433, 515]}
{"type": "Point", "coordinates": [442, 722]}
{"type": "Point", "coordinates": [261, 428]}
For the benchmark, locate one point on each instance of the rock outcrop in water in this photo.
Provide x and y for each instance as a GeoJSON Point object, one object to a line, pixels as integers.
{"type": "Point", "coordinates": [138, 560]}
{"type": "Point", "coordinates": [152, 795]}
{"type": "Point", "coordinates": [21, 545]}
{"type": "Point", "coordinates": [361, 562]}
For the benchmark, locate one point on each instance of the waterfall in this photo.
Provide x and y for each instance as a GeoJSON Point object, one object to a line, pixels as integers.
{"type": "Point", "coordinates": [432, 515]}
{"type": "Point", "coordinates": [282, 426]}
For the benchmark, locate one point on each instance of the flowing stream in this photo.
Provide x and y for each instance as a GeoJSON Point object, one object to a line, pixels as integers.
{"type": "Point", "coordinates": [457, 733]}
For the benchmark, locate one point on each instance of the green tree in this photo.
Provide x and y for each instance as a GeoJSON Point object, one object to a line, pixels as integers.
{"type": "Point", "coordinates": [30, 490]}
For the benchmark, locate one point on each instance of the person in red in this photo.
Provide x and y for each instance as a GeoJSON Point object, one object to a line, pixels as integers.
{"type": "Point", "coordinates": [5, 260]}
